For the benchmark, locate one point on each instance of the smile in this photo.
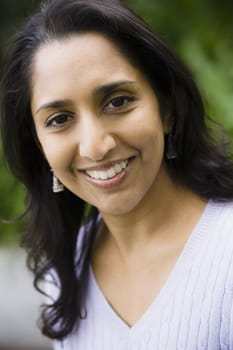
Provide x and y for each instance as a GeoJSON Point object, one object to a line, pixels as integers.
{"type": "Point", "coordinates": [109, 173]}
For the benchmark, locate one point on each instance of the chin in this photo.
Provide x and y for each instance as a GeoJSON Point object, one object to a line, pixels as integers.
{"type": "Point", "coordinates": [118, 210]}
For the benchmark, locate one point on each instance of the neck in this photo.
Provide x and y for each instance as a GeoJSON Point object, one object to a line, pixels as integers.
{"type": "Point", "coordinates": [156, 221]}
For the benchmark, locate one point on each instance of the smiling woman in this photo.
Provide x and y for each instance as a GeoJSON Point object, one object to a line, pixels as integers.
{"type": "Point", "coordinates": [134, 239]}
{"type": "Point", "coordinates": [104, 116]}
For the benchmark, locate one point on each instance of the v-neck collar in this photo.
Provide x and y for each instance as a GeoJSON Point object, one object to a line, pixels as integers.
{"type": "Point", "coordinates": [166, 293]}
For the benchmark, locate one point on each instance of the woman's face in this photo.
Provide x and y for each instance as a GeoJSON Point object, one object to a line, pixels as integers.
{"type": "Point", "coordinates": [98, 122]}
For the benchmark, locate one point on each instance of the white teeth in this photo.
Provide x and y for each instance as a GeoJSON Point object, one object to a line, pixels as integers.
{"type": "Point", "coordinates": [111, 173]}
{"type": "Point", "coordinates": [103, 175]}
{"type": "Point", "coordinates": [95, 174]}
{"type": "Point", "coordinates": [124, 164]}
{"type": "Point", "coordinates": [117, 168]}
{"type": "Point", "coordinates": [108, 174]}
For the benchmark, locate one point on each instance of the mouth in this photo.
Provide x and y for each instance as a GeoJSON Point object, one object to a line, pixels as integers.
{"type": "Point", "coordinates": [108, 176]}
{"type": "Point", "coordinates": [109, 173]}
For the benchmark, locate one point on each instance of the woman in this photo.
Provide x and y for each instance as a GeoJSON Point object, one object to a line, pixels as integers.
{"type": "Point", "coordinates": [135, 239]}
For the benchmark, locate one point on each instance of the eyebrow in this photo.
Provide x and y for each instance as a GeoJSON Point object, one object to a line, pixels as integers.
{"type": "Point", "coordinates": [100, 90]}
{"type": "Point", "coordinates": [108, 88]}
{"type": "Point", "coordinates": [54, 104]}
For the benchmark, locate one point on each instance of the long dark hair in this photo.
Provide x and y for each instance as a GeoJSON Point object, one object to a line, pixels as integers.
{"type": "Point", "coordinates": [203, 164]}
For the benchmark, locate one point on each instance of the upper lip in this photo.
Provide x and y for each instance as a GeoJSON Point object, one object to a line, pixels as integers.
{"type": "Point", "coordinates": [104, 166]}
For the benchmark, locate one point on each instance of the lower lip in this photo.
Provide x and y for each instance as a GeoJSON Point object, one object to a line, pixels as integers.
{"type": "Point", "coordinates": [108, 183]}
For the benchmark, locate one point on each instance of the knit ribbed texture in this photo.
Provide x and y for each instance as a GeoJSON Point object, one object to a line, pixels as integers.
{"type": "Point", "coordinates": [194, 309]}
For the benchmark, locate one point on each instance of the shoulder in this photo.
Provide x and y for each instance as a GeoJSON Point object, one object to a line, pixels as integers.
{"type": "Point", "coordinates": [83, 234]}
{"type": "Point", "coordinates": [52, 285]}
{"type": "Point", "coordinates": [217, 244]}
{"type": "Point", "coordinates": [218, 223]}
{"type": "Point", "coordinates": [210, 248]}
{"type": "Point", "coordinates": [219, 216]}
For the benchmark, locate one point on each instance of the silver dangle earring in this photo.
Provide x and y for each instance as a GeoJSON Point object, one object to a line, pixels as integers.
{"type": "Point", "coordinates": [171, 152]}
{"type": "Point", "coordinates": [57, 185]}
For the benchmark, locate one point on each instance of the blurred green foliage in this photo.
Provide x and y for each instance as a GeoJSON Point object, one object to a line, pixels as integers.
{"type": "Point", "coordinates": [12, 14]}
{"type": "Point", "coordinates": [11, 205]}
{"type": "Point", "coordinates": [200, 31]}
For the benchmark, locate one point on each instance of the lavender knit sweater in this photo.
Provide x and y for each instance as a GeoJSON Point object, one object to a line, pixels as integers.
{"type": "Point", "coordinates": [194, 309]}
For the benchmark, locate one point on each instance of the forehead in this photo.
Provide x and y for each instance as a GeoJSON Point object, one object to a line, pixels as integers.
{"type": "Point", "coordinates": [77, 64]}
{"type": "Point", "coordinates": [74, 65]}
{"type": "Point", "coordinates": [84, 52]}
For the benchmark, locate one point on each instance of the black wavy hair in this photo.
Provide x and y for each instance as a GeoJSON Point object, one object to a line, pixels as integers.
{"type": "Point", "coordinates": [203, 164]}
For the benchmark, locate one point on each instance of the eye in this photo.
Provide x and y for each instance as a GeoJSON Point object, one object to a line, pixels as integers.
{"type": "Point", "coordinates": [119, 102]}
{"type": "Point", "coordinates": [58, 120]}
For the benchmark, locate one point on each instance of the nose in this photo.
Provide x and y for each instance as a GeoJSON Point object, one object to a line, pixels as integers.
{"type": "Point", "coordinates": [96, 141]}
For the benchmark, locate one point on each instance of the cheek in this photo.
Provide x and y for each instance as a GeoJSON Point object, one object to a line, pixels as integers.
{"type": "Point", "coordinates": [57, 152]}
{"type": "Point", "coordinates": [148, 137]}
{"type": "Point", "coordinates": [146, 124]}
